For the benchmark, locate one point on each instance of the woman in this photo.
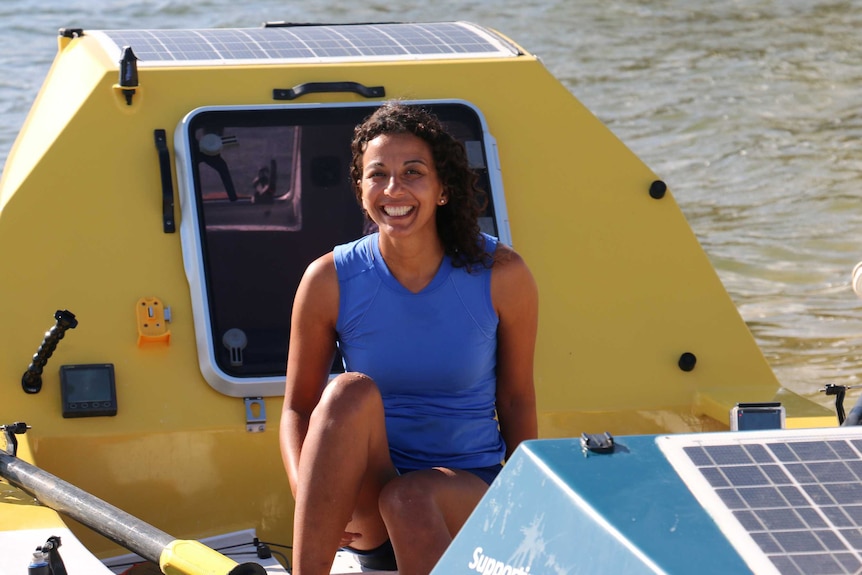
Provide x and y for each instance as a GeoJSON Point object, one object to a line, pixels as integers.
{"type": "Point", "coordinates": [436, 324]}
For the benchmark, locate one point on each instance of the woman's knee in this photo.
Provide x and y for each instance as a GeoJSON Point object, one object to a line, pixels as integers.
{"type": "Point", "coordinates": [352, 392]}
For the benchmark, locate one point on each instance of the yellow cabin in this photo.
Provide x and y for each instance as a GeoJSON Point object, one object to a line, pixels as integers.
{"type": "Point", "coordinates": [136, 230]}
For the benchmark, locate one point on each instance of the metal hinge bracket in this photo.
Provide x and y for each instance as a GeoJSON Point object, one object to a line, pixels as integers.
{"type": "Point", "coordinates": [255, 414]}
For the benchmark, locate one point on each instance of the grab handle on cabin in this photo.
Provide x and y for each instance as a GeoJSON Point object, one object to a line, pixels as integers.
{"type": "Point", "coordinates": [321, 87]}
{"type": "Point", "coordinates": [168, 224]}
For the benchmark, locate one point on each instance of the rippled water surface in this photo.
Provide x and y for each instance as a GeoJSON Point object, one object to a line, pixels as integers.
{"type": "Point", "coordinates": [751, 110]}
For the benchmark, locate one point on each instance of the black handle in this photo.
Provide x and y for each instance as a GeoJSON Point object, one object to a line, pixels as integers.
{"type": "Point", "coordinates": [318, 87]}
{"type": "Point", "coordinates": [168, 223]}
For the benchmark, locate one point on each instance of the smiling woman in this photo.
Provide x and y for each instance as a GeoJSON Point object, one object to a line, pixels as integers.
{"type": "Point", "coordinates": [400, 192]}
{"type": "Point", "coordinates": [435, 160]}
{"type": "Point", "coordinates": [437, 338]}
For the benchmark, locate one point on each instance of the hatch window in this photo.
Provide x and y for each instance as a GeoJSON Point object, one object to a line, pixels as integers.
{"type": "Point", "coordinates": [264, 191]}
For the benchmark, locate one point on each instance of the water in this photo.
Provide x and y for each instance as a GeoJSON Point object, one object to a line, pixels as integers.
{"type": "Point", "coordinates": [751, 110]}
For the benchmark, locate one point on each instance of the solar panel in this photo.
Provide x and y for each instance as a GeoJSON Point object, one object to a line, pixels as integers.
{"type": "Point", "coordinates": [323, 43]}
{"type": "Point", "coordinates": [790, 501]}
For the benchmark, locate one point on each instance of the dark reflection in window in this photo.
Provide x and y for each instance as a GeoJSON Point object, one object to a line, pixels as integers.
{"type": "Point", "coordinates": [273, 194]}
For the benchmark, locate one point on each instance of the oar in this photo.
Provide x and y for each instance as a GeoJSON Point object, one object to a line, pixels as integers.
{"type": "Point", "coordinates": [175, 557]}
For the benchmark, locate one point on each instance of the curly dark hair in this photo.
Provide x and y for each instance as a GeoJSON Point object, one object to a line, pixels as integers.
{"type": "Point", "coordinates": [458, 219]}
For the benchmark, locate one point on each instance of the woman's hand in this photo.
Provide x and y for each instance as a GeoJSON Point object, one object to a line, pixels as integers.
{"type": "Point", "coordinates": [348, 538]}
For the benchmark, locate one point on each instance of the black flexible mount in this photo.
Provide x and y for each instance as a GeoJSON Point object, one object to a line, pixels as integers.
{"type": "Point", "coordinates": [9, 432]}
{"type": "Point", "coordinates": [47, 560]}
{"type": "Point", "coordinates": [32, 379]}
{"type": "Point", "coordinates": [839, 391]}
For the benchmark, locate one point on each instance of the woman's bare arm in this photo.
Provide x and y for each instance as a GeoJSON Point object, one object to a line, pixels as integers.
{"type": "Point", "coordinates": [312, 348]}
{"type": "Point", "coordinates": [516, 300]}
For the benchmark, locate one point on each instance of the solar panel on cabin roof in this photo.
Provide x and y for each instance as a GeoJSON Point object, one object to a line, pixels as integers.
{"type": "Point", "coordinates": [790, 501]}
{"type": "Point", "coordinates": [346, 42]}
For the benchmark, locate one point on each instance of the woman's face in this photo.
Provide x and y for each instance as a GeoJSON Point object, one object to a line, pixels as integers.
{"type": "Point", "coordinates": [400, 186]}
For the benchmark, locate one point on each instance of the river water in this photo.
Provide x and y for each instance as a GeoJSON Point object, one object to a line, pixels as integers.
{"type": "Point", "coordinates": [750, 110]}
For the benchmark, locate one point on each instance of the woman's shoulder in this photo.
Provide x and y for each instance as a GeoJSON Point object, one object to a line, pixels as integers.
{"type": "Point", "coordinates": [505, 256]}
{"type": "Point", "coordinates": [510, 274]}
{"type": "Point", "coordinates": [316, 297]}
{"type": "Point", "coordinates": [321, 271]}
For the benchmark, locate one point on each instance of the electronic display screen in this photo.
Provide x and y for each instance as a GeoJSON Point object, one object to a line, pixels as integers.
{"type": "Point", "coordinates": [746, 417]}
{"type": "Point", "coordinates": [88, 390]}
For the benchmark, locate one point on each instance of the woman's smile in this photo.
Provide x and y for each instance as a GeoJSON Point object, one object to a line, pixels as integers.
{"type": "Point", "coordinates": [397, 211]}
{"type": "Point", "coordinates": [400, 186]}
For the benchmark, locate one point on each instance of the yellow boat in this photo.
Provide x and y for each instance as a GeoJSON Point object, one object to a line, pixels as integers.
{"type": "Point", "coordinates": [166, 192]}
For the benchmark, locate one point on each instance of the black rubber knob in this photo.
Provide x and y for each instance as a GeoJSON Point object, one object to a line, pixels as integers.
{"type": "Point", "coordinates": [657, 189]}
{"type": "Point", "coordinates": [687, 361]}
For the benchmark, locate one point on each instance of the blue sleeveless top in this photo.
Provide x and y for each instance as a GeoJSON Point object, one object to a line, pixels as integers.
{"type": "Point", "coordinates": [433, 354]}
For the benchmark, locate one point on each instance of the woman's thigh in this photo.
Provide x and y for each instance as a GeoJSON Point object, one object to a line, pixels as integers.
{"type": "Point", "coordinates": [347, 455]}
{"type": "Point", "coordinates": [451, 493]}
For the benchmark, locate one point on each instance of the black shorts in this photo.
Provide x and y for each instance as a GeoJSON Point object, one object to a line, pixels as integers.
{"type": "Point", "coordinates": [380, 558]}
{"type": "Point", "coordinates": [486, 474]}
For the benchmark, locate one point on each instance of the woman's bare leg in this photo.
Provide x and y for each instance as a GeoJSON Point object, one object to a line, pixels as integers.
{"type": "Point", "coordinates": [424, 510]}
{"type": "Point", "coordinates": [343, 465]}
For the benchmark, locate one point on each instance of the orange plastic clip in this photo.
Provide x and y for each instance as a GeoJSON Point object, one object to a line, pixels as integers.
{"type": "Point", "coordinates": [153, 321]}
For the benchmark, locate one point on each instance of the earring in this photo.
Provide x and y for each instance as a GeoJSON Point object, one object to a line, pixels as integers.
{"type": "Point", "coordinates": [441, 201]}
